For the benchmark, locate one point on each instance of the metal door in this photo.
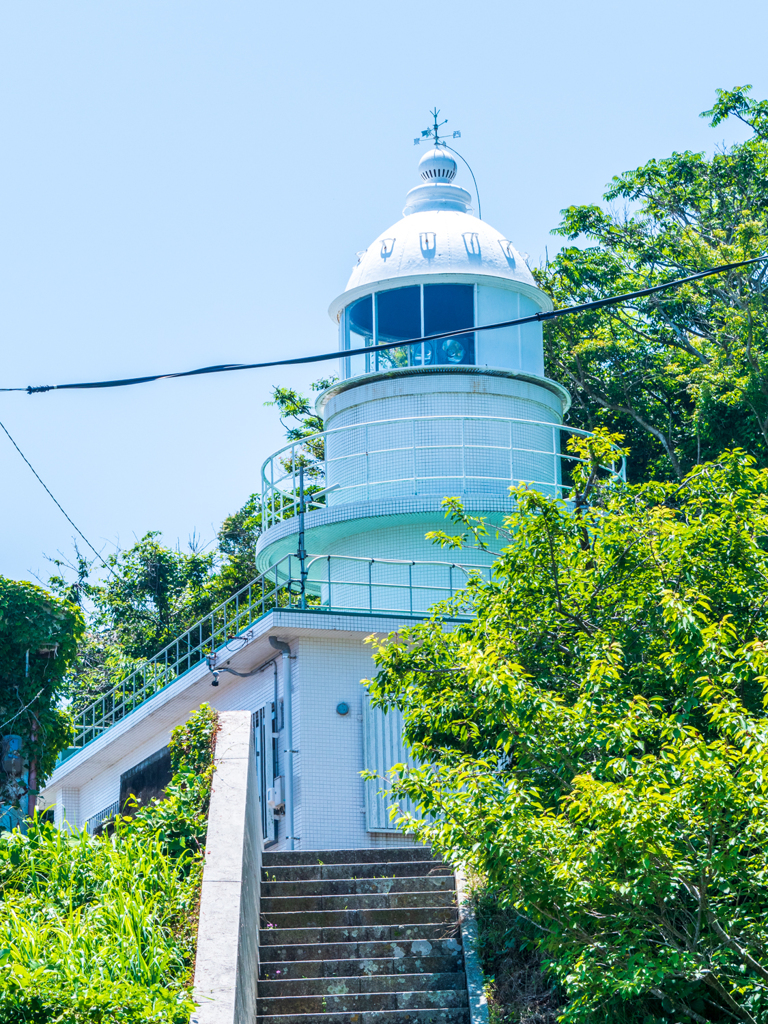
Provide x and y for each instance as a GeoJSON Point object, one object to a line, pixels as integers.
{"type": "Point", "coordinates": [383, 747]}
{"type": "Point", "coordinates": [265, 729]}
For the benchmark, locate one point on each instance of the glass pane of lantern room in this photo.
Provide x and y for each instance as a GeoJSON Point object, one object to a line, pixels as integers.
{"type": "Point", "coordinates": [398, 318]}
{"type": "Point", "coordinates": [358, 320]}
{"type": "Point", "coordinates": [447, 307]}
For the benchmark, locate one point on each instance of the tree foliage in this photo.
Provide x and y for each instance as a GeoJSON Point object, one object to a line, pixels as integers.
{"type": "Point", "coordinates": [102, 928]}
{"type": "Point", "coordinates": [301, 422]}
{"type": "Point", "coordinates": [38, 642]}
{"type": "Point", "coordinates": [684, 373]}
{"type": "Point", "coordinates": [152, 592]}
{"type": "Point", "coordinates": [595, 741]}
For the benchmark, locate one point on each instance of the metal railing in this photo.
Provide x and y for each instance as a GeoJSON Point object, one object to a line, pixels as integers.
{"type": "Point", "coordinates": [92, 823]}
{"type": "Point", "coordinates": [423, 455]}
{"type": "Point", "coordinates": [333, 583]}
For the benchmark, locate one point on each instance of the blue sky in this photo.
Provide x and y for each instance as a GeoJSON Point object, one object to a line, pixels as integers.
{"type": "Point", "coordinates": [184, 183]}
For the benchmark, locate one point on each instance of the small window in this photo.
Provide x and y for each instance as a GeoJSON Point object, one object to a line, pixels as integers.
{"type": "Point", "coordinates": [448, 307]}
{"type": "Point", "coordinates": [360, 323]}
{"type": "Point", "coordinates": [358, 320]}
{"type": "Point", "coordinates": [398, 318]}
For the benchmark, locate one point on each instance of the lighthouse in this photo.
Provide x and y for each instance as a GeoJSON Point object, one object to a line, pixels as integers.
{"type": "Point", "coordinates": [467, 416]}
{"type": "Point", "coordinates": [428, 404]}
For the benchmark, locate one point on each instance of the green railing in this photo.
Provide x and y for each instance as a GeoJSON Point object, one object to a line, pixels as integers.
{"type": "Point", "coordinates": [334, 583]}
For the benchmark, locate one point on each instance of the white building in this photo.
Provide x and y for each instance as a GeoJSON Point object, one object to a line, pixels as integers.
{"type": "Point", "coordinates": [467, 415]}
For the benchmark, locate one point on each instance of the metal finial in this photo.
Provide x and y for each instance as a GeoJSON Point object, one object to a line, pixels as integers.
{"type": "Point", "coordinates": [433, 134]}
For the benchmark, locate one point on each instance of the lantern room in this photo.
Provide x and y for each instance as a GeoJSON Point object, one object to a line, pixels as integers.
{"type": "Point", "coordinates": [439, 269]}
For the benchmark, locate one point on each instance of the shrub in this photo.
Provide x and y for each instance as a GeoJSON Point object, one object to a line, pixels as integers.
{"type": "Point", "coordinates": [103, 928]}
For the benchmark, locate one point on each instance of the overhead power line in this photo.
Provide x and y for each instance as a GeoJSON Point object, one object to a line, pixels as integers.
{"type": "Point", "coordinates": [40, 480]}
{"type": "Point", "coordinates": [342, 354]}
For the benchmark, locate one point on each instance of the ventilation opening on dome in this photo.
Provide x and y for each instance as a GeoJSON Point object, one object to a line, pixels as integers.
{"type": "Point", "coordinates": [439, 173]}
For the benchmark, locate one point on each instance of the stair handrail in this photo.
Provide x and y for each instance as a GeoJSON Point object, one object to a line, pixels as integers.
{"type": "Point", "coordinates": [231, 620]}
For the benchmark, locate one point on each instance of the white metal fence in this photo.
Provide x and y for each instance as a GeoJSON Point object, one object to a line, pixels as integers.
{"type": "Point", "coordinates": [466, 456]}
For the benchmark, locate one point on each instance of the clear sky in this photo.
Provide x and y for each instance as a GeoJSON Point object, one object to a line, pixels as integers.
{"type": "Point", "coordinates": [185, 183]}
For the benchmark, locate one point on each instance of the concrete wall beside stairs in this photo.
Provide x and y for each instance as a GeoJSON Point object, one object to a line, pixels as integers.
{"type": "Point", "coordinates": [365, 936]}
{"type": "Point", "coordinates": [227, 962]}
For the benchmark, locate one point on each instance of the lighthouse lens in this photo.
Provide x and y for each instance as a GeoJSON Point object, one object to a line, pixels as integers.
{"type": "Point", "coordinates": [453, 351]}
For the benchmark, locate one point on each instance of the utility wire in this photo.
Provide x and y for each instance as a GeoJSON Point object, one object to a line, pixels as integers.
{"type": "Point", "coordinates": [26, 706]}
{"type": "Point", "coordinates": [345, 353]}
{"type": "Point", "coordinates": [477, 190]}
{"type": "Point", "coordinates": [21, 453]}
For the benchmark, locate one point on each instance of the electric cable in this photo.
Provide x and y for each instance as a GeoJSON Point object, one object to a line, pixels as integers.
{"type": "Point", "coordinates": [477, 190]}
{"type": "Point", "coordinates": [345, 353]}
{"type": "Point", "coordinates": [25, 708]}
{"type": "Point", "coordinates": [56, 503]}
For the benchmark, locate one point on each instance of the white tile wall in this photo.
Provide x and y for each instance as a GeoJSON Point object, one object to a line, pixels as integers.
{"type": "Point", "coordinates": [330, 660]}
{"type": "Point", "coordinates": [332, 745]}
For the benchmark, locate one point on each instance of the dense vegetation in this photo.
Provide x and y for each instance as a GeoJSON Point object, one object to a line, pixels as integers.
{"type": "Point", "coordinates": [597, 741]}
{"type": "Point", "coordinates": [38, 642]}
{"type": "Point", "coordinates": [102, 928]}
{"type": "Point", "coordinates": [682, 374]}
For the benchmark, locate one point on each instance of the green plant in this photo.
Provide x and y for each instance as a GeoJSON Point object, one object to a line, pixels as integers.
{"type": "Point", "coordinates": [682, 374]}
{"type": "Point", "coordinates": [594, 743]}
{"type": "Point", "coordinates": [38, 640]}
{"type": "Point", "coordinates": [99, 929]}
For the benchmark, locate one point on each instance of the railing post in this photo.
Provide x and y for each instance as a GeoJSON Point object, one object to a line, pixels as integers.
{"type": "Point", "coordinates": [370, 585]}
{"type": "Point", "coordinates": [302, 552]}
{"type": "Point", "coordinates": [555, 446]}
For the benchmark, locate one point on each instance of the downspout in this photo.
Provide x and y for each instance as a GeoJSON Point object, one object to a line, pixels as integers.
{"type": "Point", "coordinates": [285, 650]}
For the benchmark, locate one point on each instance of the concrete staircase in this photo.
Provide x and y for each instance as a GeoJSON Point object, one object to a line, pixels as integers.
{"type": "Point", "coordinates": [360, 937]}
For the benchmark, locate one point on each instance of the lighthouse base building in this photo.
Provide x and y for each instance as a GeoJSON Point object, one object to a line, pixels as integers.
{"type": "Point", "coordinates": [343, 555]}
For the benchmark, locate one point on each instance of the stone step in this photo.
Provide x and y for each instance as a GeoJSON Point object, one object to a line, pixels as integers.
{"type": "Point", "coordinates": [359, 886]}
{"type": "Point", "coordinates": [351, 901]}
{"type": "Point", "coordinates": [361, 1002]}
{"type": "Point", "coordinates": [458, 1015]}
{"type": "Point", "coordinates": [363, 933]}
{"type": "Point", "coordinates": [392, 853]}
{"type": "Point", "coordinates": [277, 970]}
{"type": "Point", "coordinates": [368, 869]}
{"type": "Point", "coordinates": [365, 949]}
{"type": "Point", "coordinates": [359, 918]}
{"type": "Point", "coordinates": [336, 986]}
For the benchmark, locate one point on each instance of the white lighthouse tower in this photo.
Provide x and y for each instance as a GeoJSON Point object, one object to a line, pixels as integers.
{"type": "Point", "coordinates": [343, 554]}
{"type": "Point", "coordinates": [465, 416]}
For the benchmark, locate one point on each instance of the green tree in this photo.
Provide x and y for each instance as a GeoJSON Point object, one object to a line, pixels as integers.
{"type": "Point", "coordinates": [300, 421]}
{"type": "Point", "coordinates": [594, 741]}
{"type": "Point", "coordinates": [153, 592]}
{"type": "Point", "coordinates": [38, 642]}
{"type": "Point", "coordinates": [683, 374]}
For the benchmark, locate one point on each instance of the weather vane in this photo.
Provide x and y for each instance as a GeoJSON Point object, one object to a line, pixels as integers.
{"type": "Point", "coordinates": [433, 133]}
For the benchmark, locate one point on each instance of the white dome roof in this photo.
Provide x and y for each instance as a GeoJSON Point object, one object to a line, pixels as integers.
{"type": "Point", "coordinates": [439, 241]}
{"type": "Point", "coordinates": [438, 235]}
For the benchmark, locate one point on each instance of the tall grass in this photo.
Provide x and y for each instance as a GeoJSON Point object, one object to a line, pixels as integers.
{"type": "Point", "coordinates": [102, 928]}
